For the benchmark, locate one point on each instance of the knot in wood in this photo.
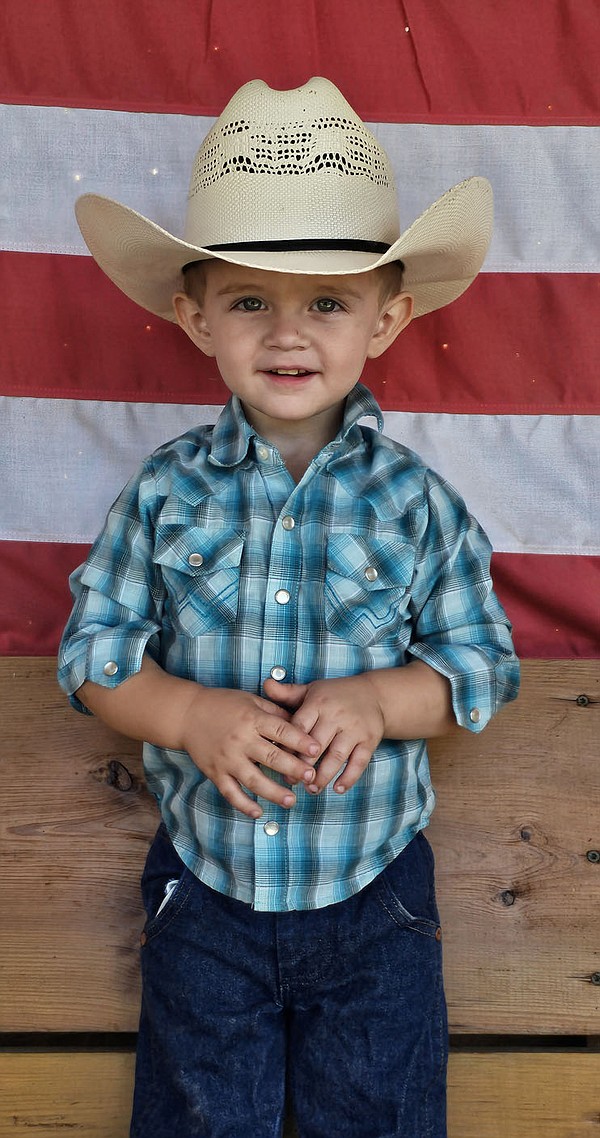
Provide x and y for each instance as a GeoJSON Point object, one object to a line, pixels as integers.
{"type": "Point", "coordinates": [118, 776]}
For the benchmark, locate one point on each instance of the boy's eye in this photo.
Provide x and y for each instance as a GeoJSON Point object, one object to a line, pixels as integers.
{"type": "Point", "coordinates": [326, 304]}
{"type": "Point", "coordinates": [249, 304]}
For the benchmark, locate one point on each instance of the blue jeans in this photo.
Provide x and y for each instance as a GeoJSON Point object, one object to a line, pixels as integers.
{"type": "Point", "coordinates": [342, 1008]}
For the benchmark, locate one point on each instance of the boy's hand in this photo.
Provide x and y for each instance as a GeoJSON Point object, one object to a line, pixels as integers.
{"type": "Point", "coordinates": [345, 718]}
{"type": "Point", "coordinates": [230, 734]}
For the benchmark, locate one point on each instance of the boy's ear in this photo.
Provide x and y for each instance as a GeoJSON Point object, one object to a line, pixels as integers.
{"type": "Point", "coordinates": [191, 318]}
{"type": "Point", "coordinates": [396, 315]}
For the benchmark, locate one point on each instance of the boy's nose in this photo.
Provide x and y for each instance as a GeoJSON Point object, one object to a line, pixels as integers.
{"type": "Point", "coordinates": [286, 330]}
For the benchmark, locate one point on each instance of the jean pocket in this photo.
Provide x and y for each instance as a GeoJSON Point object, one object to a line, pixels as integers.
{"type": "Point", "coordinates": [166, 884]}
{"type": "Point", "coordinates": [201, 571]}
{"type": "Point", "coordinates": [406, 889]}
{"type": "Point", "coordinates": [367, 583]}
{"type": "Point", "coordinates": [173, 904]}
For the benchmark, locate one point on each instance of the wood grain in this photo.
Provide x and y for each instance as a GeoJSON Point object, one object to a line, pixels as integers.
{"type": "Point", "coordinates": [75, 827]}
{"type": "Point", "coordinates": [49, 1093]}
{"type": "Point", "coordinates": [517, 813]}
{"type": "Point", "coordinates": [524, 1095]}
{"type": "Point", "coordinates": [496, 1095]}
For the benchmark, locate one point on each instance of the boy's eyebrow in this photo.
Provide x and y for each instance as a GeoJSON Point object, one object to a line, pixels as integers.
{"type": "Point", "coordinates": [245, 286]}
{"type": "Point", "coordinates": [341, 290]}
{"type": "Point", "coordinates": [322, 288]}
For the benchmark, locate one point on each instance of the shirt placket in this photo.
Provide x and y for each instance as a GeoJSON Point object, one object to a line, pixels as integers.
{"type": "Point", "coordinates": [278, 661]}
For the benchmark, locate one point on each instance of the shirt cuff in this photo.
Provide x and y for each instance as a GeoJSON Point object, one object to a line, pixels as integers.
{"type": "Point", "coordinates": [107, 658]}
{"type": "Point", "coordinates": [481, 682]}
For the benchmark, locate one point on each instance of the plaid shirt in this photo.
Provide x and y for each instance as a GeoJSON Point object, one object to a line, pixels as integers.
{"type": "Point", "coordinates": [215, 562]}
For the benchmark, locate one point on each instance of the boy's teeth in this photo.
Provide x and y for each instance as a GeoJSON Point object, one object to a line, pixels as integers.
{"type": "Point", "coordinates": [289, 371]}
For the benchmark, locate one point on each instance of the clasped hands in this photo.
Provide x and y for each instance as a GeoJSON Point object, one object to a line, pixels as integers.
{"type": "Point", "coordinates": [305, 732]}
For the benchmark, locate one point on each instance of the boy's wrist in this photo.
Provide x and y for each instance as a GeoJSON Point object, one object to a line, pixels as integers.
{"type": "Point", "coordinates": [180, 708]}
{"type": "Point", "coordinates": [150, 705]}
{"type": "Point", "coordinates": [414, 701]}
{"type": "Point", "coordinates": [384, 694]}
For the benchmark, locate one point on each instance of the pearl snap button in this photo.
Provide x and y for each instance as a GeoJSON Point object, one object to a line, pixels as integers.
{"type": "Point", "coordinates": [288, 522]}
{"type": "Point", "coordinates": [371, 573]}
{"type": "Point", "coordinates": [282, 596]}
{"type": "Point", "coordinates": [474, 715]}
{"type": "Point", "coordinates": [278, 673]}
{"type": "Point", "coordinates": [263, 453]}
{"type": "Point", "coordinates": [195, 559]}
{"type": "Point", "coordinates": [271, 828]}
{"type": "Point", "coordinates": [110, 668]}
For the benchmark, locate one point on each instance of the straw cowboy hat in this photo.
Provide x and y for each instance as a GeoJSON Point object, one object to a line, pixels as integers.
{"type": "Point", "coordinates": [292, 181]}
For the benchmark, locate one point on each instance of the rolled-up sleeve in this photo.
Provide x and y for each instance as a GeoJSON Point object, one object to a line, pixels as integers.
{"type": "Point", "coordinates": [118, 597]}
{"type": "Point", "coordinates": [460, 627]}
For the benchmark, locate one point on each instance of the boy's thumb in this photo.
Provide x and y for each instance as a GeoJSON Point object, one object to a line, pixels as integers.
{"type": "Point", "coordinates": [290, 695]}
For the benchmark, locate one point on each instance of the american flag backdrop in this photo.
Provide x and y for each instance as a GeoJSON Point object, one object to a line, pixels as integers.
{"type": "Point", "coordinates": [499, 392]}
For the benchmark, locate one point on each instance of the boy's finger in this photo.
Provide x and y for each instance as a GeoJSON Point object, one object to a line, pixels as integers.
{"type": "Point", "coordinates": [290, 695]}
{"type": "Point", "coordinates": [355, 767]}
{"type": "Point", "coordinates": [291, 738]}
{"type": "Point", "coordinates": [254, 779]}
{"type": "Point", "coordinates": [290, 766]}
{"type": "Point", "coordinates": [334, 757]}
{"type": "Point", "coordinates": [233, 793]}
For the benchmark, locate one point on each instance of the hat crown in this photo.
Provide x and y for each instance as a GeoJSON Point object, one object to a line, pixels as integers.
{"type": "Point", "coordinates": [293, 182]}
{"type": "Point", "coordinates": [290, 164]}
{"type": "Point", "coordinates": [308, 130]}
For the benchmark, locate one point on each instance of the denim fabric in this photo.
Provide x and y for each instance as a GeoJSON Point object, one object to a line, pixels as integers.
{"type": "Point", "coordinates": [343, 1005]}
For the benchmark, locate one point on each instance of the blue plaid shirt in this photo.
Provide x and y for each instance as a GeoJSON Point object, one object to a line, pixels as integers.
{"type": "Point", "coordinates": [215, 562]}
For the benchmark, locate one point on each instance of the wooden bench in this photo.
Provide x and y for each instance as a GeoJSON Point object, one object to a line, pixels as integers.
{"type": "Point", "coordinates": [517, 839]}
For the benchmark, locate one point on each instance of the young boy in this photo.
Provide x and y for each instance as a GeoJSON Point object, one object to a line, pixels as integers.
{"type": "Point", "coordinates": [284, 607]}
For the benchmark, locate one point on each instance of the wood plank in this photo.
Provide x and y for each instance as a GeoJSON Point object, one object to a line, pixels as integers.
{"type": "Point", "coordinates": [524, 1095]}
{"type": "Point", "coordinates": [490, 1095]}
{"type": "Point", "coordinates": [75, 828]}
{"type": "Point", "coordinates": [48, 1093]}
{"type": "Point", "coordinates": [517, 812]}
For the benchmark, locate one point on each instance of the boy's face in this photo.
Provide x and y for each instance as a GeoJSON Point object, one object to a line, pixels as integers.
{"type": "Point", "coordinates": [291, 346]}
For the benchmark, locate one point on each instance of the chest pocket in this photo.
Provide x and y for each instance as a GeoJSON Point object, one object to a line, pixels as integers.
{"type": "Point", "coordinates": [201, 571]}
{"type": "Point", "coordinates": [367, 586]}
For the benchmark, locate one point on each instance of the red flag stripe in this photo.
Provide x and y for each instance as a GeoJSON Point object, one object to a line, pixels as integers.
{"type": "Point", "coordinates": [407, 61]}
{"type": "Point", "coordinates": [495, 351]}
{"type": "Point", "coordinates": [551, 600]}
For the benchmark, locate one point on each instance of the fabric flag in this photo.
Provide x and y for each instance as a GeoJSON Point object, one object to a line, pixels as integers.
{"type": "Point", "coordinates": [498, 391]}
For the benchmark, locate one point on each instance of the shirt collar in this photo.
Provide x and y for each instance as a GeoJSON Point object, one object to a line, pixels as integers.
{"type": "Point", "coordinates": [360, 404]}
{"type": "Point", "coordinates": [233, 434]}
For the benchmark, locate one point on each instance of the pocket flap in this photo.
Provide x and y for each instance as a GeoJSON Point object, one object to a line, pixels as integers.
{"type": "Point", "coordinates": [197, 551]}
{"type": "Point", "coordinates": [382, 562]}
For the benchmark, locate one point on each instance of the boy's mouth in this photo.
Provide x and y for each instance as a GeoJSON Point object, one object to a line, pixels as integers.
{"type": "Point", "coordinates": [294, 371]}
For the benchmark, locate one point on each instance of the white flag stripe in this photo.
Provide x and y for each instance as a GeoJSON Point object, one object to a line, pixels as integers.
{"type": "Point", "coordinates": [531, 480]}
{"type": "Point", "coordinates": [517, 473]}
{"type": "Point", "coordinates": [544, 178]}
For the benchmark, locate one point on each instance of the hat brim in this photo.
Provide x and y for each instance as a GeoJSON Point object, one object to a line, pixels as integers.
{"type": "Point", "coordinates": [442, 251]}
